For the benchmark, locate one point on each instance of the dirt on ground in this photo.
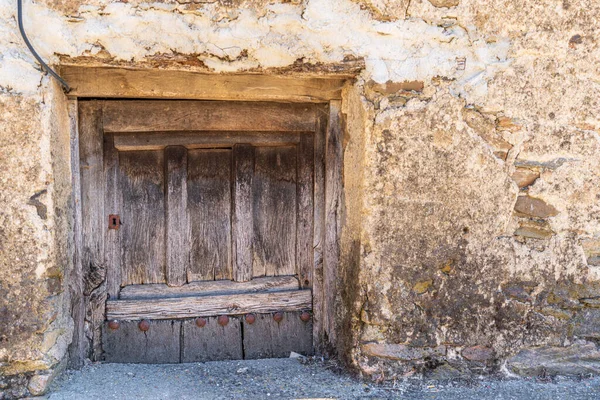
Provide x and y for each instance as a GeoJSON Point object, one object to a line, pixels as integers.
{"type": "Point", "coordinates": [291, 379]}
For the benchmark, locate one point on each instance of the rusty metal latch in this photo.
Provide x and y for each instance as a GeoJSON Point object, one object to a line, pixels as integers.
{"type": "Point", "coordinates": [114, 221]}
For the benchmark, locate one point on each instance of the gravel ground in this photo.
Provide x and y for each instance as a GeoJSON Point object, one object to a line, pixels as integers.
{"type": "Point", "coordinates": [288, 379]}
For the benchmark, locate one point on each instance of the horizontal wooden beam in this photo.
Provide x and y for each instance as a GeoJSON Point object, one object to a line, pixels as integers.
{"type": "Point", "coordinates": [183, 115]}
{"type": "Point", "coordinates": [199, 140]}
{"type": "Point", "coordinates": [205, 306]}
{"type": "Point", "coordinates": [205, 288]}
{"type": "Point", "coordinates": [107, 82]}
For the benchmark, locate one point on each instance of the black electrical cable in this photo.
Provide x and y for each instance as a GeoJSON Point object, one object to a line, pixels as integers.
{"type": "Point", "coordinates": [45, 66]}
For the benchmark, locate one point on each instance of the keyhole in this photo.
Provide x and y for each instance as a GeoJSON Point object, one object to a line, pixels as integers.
{"type": "Point", "coordinates": [114, 222]}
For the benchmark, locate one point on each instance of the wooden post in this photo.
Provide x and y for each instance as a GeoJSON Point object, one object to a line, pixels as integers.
{"type": "Point", "coordinates": [319, 226]}
{"type": "Point", "coordinates": [304, 219]}
{"type": "Point", "coordinates": [112, 206]}
{"type": "Point", "coordinates": [78, 347]}
{"type": "Point", "coordinates": [176, 215]}
{"type": "Point", "coordinates": [242, 224]}
{"type": "Point", "coordinates": [333, 207]}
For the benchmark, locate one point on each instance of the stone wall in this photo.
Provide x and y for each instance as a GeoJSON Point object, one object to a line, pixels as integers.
{"type": "Point", "coordinates": [471, 238]}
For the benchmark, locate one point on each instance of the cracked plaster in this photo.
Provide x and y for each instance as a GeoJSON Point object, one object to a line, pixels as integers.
{"type": "Point", "coordinates": [430, 258]}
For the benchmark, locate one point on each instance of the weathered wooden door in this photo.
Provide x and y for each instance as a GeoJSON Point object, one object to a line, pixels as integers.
{"type": "Point", "coordinates": [198, 227]}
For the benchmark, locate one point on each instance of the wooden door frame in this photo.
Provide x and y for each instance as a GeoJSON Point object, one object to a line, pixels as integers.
{"type": "Point", "coordinates": [119, 83]}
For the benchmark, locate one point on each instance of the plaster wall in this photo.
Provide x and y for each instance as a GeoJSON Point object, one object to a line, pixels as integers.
{"type": "Point", "coordinates": [471, 237]}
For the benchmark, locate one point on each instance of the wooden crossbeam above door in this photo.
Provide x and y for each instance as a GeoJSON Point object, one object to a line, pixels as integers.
{"type": "Point", "coordinates": [199, 140]}
{"type": "Point", "coordinates": [182, 115]}
{"type": "Point", "coordinates": [110, 82]}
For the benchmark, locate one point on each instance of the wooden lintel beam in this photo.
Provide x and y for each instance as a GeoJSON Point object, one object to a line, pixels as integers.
{"type": "Point", "coordinates": [107, 82]}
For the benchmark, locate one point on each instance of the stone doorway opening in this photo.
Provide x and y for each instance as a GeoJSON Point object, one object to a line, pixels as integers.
{"type": "Point", "coordinates": [203, 227]}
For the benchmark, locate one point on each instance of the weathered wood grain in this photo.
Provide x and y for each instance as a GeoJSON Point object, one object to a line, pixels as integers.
{"type": "Point", "coordinates": [242, 219]}
{"type": "Point", "coordinates": [202, 139]}
{"type": "Point", "coordinates": [92, 194]}
{"type": "Point", "coordinates": [188, 307]}
{"type": "Point", "coordinates": [266, 338]}
{"type": "Point", "coordinates": [94, 321]}
{"type": "Point", "coordinates": [181, 115]}
{"type": "Point", "coordinates": [275, 203]}
{"type": "Point", "coordinates": [209, 213]}
{"type": "Point", "coordinates": [143, 219]}
{"type": "Point", "coordinates": [333, 209]}
{"type": "Point", "coordinates": [78, 348]}
{"type": "Point", "coordinates": [304, 219]}
{"type": "Point", "coordinates": [319, 224]}
{"type": "Point", "coordinates": [112, 206]}
{"type": "Point", "coordinates": [206, 288]}
{"type": "Point", "coordinates": [105, 82]}
{"type": "Point", "coordinates": [212, 342]}
{"type": "Point", "coordinates": [128, 344]}
{"type": "Point", "coordinates": [177, 231]}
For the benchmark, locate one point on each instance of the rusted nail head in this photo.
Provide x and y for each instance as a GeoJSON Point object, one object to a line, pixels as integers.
{"type": "Point", "coordinates": [114, 324]}
{"type": "Point", "coordinates": [223, 320]}
{"type": "Point", "coordinates": [305, 316]}
{"type": "Point", "coordinates": [200, 322]}
{"type": "Point", "coordinates": [278, 316]}
{"type": "Point", "coordinates": [250, 318]}
{"type": "Point", "coordinates": [144, 325]}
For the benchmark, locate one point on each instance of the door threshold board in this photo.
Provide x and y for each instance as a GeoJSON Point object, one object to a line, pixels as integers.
{"type": "Point", "coordinates": [205, 306]}
{"type": "Point", "coordinates": [209, 288]}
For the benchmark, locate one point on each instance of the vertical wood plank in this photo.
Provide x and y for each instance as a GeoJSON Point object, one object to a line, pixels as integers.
{"type": "Point", "coordinates": [94, 319]}
{"type": "Point", "coordinates": [266, 338]}
{"type": "Point", "coordinates": [128, 344]}
{"type": "Point", "coordinates": [319, 224]}
{"type": "Point", "coordinates": [209, 210]}
{"type": "Point", "coordinates": [112, 205]}
{"type": "Point", "coordinates": [142, 230]}
{"type": "Point", "coordinates": [91, 166]}
{"type": "Point", "coordinates": [333, 209]}
{"type": "Point", "coordinates": [92, 196]}
{"type": "Point", "coordinates": [177, 248]}
{"type": "Point", "coordinates": [257, 337]}
{"type": "Point", "coordinates": [79, 344]}
{"type": "Point", "coordinates": [243, 169]}
{"type": "Point", "coordinates": [304, 231]}
{"type": "Point", "coordinates": [212, 342]}
{"type": "Point", "coordinates": [275, 207]}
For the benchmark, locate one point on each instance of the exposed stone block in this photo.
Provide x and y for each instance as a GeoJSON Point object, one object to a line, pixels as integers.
{"type": "Point", "coordinates": [534, 229]}
{"type": "Point", "coordinates": [578, 359]}
{"type": "Point", "coordinates": [593, 302]}
{"type": "Point", "coordinates": [394, 87]}
{"type": "Point", "coordinates": [478, 353]}
{"type": "Point", "coordinates": [401, 352]}
{"type": "Point", "coordinates": [552, 164]}
{"type": "Point", "coordinates": [534, 207]}
{"type": "Point", "coordinates": [524, 177]}
{"type": "Point", "coordinates": [422, 287]}
{"type": "Point", "coordinates": [444, 3]}
{"type": "Point", "coordinates": [518, 291]}
{"type": "Point", "coordinates": [486, 129]}
{"type": "Point", "coordinates": [587, 324]}
{"type": "Point", "coordinates": [591, 248]}
{"type": "Point", "coordinates": [38, 384]}
{"type": "Point", "coordinates": [446, 372]}
{"type": "Point", "coordinates": [507, 124]}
